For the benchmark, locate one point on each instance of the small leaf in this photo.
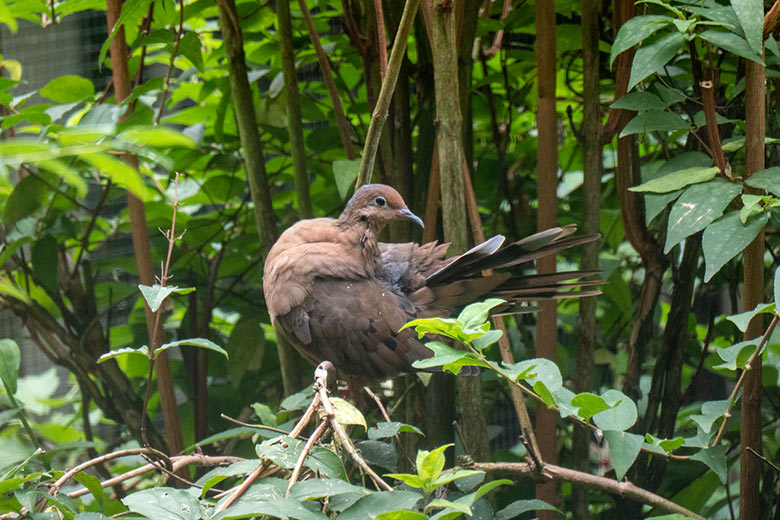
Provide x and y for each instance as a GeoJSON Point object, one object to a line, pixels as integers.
{"type": "Point", "coordinates": [623, 450]}
{"type": "Point", "coordinates": [697, 207]}
{"type": "Point", "coordinates": [736, 356]}
{"type": "Point", "coordinates": [346, 413]}
{"type": "Point", "coordinates": [726, 238]}
{"type": "Point", "coordinates": [654, 121]}
{"type": "Point", "coordinates": [164, 503]}
{"type": "Point", "coordinates": [477, 313]}
{"type": "Point", "coordinates": [158, 136]}
{"type": "Point", "coordinates": [344, 173]}
{"type": "Point", "coordinates": [742, 320]}
{"type": "Point", "coordinates": [92, 484]}
{"type": "Point", "coordinates": [156, 294]}
{"type": "Point", "coordinates": [119, 172]}
{"type": "Point", "coordinates": [777, 287]}
{"type": "Point", "coordinates": [446, 478]}
{"type": "Point", "coordinates": [442, 503]}
{"type": "Point", "coordinates": [653, 56]}
{"type": "Point", "coordinates": [190, 47]}
{"type": "Point", "coordinates": [144, 351]}
{"type": "Point", "coordinates": [28, 196]}
{"type": "Point", "coordinates": [45, 259]}
{"type": "Point", "coordinates": [450, 359]}
{"type": "Point", "coordinates": [715, 459]}
{"type": "Point", "coordinates": [731, 42]}
{"type": "Point", "coordinates": [517, 508]}
{"type": "Point", "coordinates": [488, 338]}
{"type": "Point", "coordinates": [408, 479]}
{"type": "Point", "coordinates": [677, 180]}
{"type": "Point", "coordinates": [537, 370]}
{"type": "Point", "coordinates": [634, 31]}
{"type": "Point", "coordinates": [711, 411]}
{"type": "Point", "coordinates": [430, 464]}
{"type": "Point", "coordinates": [68, 89]}
{"type": "Point", "coordinates": [401, 515]}
{"type": "Point", "coordinates": [384, 430]}
{"type": "Point", "coordinates": [193, 342]}
{"type": "Point", "coordinates": [376, 503]}
{"type": "Point", "coordinates": [264, 413]}
{"type": "Point", "coordinates": [10, 360]}
{"type": "Point", "coordinates": [588, 404]}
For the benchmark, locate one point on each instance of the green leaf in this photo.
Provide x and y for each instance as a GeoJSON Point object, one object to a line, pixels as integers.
{"type": "Point", "coordinates": [346, 413]}
{"type": "Point", "coordinates": [668, 445]}
{"type": "Point", "coordinates": [621, 415]}
{"type": "Point", "coordinates": [776, 292]}
{"type": "Point", "coordinates": [407, 478]}
{"type": "Point", "coordinates": [768, 180]}
{"type": "Point", "coordinates": [651, 57]}
{"type": "Point", "coordinates": [377, 503]}
{"type": "Point", "coordinates": [68, 89]}
{"type": "Point", "coordinates": [634, 31]}
{"type": "Point", "coordinates": [726, 238]}
{"type": "Point", "coordinates": [401, 515]}
{"type": "Point", "coordinates": [715, 459]}
{"type": "Point", "coordinates": [193, 342]}
{"type": "Point", "coordinates": [624, 448]}
{"type": "Point", "coordinates": [711, 411]}
{"type": "Point", "coordinates": [164, 503]}
{"type": "Point", "coordinates": [316, 488]}
{"type": "Point", "coordinates": [450, 359]}
{"type": "Point", "coordinates": [384, 430]}
{"type": "Point", "coordinates": [28, 196]}
{"type": "Point", "coordinates": [345, 172]}
{"type": "Point", "coordinates": [144, 351]}
{"type": "Point", "coordinates": [654, 121]}
{"type": "Point", "coordinates": [517, 508]}
{"type": "Point", "coordinates": [751, 18]}
{"type": "Point", "coordinates": [446, 478]}
{"type": "Point", "coordinates": [190, 47]}
{"type": "Point", "coordinates": [639, 101]}
{"type": "Point", "coordinates": [588, 404]}
{"type": "Point", "coordinates": [156, 294]}
{"type": "Point", "coordinates": [731, 42]}
{"type": "Point", "coordinates": [92, 483]}
{"type": "Point", "coordinates": [132, 11]}
{"type": "Point", "coordinates": [45, 259]}
{"type": "Point", "coordinates": [488, 338]}
{"type": "Point", "coordinates": [476, 314]}
{"type": "Point", "coordinates": [70, 175]}
{"type": "Point", "coordinates": [430, 464]}
{"type": "Point", "coordinates": [537, 370]}
{"type": "Point", "coordinates": [10, 360]}
{"type": "Point", "coordinates": [446, 326]}
{"type": "Point", "coordinates": [736, 356]}
{"type": "Point", "coordinates": [265, 414]}
{"type": "Point", "coordinates": [158, 136]}
{"type": "Point", "coordinates": [442, 503]}
{"type": "Point", "coordinates": [742, 320]}
{"type": "Point", "coordinates": [276, 507]}
{"type": "Point", "coordinates": [119, 172]}
{"type": "Point", "coordinates": [698, 206]}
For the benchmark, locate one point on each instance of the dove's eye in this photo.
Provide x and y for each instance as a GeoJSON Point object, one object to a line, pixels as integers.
{"type": "Point", "coordinates": [380, 201]}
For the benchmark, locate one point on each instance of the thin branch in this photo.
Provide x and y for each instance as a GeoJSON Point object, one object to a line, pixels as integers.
{"type": "Point", "coordinates": [304, 453]}
{"type": "Point", "coordinates": [174, 53]}
{"type": "Point", "coordinates": [381, 38]}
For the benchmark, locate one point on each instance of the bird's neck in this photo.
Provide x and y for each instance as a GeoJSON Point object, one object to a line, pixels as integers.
{"type": "Point", "coordinates": [362, 235]}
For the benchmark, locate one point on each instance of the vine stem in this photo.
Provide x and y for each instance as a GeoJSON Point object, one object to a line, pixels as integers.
{"type": "Point", "coordinates": [748, 365]}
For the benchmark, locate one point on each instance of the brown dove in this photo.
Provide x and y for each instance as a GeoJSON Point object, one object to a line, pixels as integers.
{"type": "Point", "coordinates": [337, 294]}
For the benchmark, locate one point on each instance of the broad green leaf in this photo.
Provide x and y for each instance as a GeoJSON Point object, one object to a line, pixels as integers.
{"type": "Point", "coordinates": [654, 121]}
{"type": "Point", "coordinates": [736, 356]}
{"type": "Point", "coordinates": [193, 342]}
{"type": "Point", "coordinates": [28, 196]}
{"type": "Point", "coordinates": [715, 459]}
{"type": "Point", "coordinates": [119, 172]}
{"type": "Point", "coordinates": [447, 326]}
{"type": "Point", "coordinates": [768, 180]}
{"type": "Point", "coordinates": [265, 414]}
{"type": "Point", "coordinates": [407, 478]}
{"type": "Point", "coordinates": [156, 294]}
{"type": "Point", "coordinates": [345, 172]}
{"type": "Point", "coordinates": [653, 56]}
{"type": "Point", "coordinates": [165, 503]}
{"type": "Point", "coordinates": [742, 320]}
{"type": "Point", "coordinates": [12, 246]}
{"type": "Point", "coordinates": [639, 101]}
{"type": "Point", "coordinates": [446, 478]}
{"type": "Point", "coordinates": [731, 42]}
{"type": "Point", "coordinates": [477, 313]}
{"type": "Point", "coordinates": [70, 175]}
{"type": "Point", "coordinates": [621, 415]}
{"type": "Point", "coordinates": [589, 404]}
{"type": "Point", "coordinates": [317, 488]}
{"type": "Point", "coordinates": [776, 292]}
{"type": "Point", "coordinates": [634, 31]}
{"type": "Point", "coordinates": [144, 351]}
{"type": "Point", "coordinates": [726, 238]}
{"type": "Point", "coordinates": [190, 47]}
{"type": "Point", "coordinates": [10, 360]}
{"type": "Point", "coordinates": [442, 503]}
{"type": "Point", "coordinates": [68, 89]}
{"type": "Point", "coordinates": [430, 464]}
{"type": "Point", "coordinates": [697, 207]}
{"type": "Point", "coordinates": [8, 288]}
{"type": "Point", "coordinates": [91, 516]}
{"type": "Point", "coordinates": [346, 413]}
{"type": "Point", "coordinates": [92, 483]}
{"type": "Point", "coordinates": [159, 136]}
{"type": "Point", "coordinates": [751, 18]}
{"type": "Point", "coordinates": [488, 338]}
{"type": "Point", "coordinates": [276, 507]}
{"type": "Point", "coordinates": [401, 515]}
{"type": "Point", "coordinates": [378, 453]}
{"type": "Point", "coordinates": [450, 359]}
{"type": "Point", "coordinates": [711, 411]}
{"type": "Point", "coordinates": [538, 370]}
{"type": "Point", "coordinates": [517, 508]}
{"type": "Point", "coordinates": [45, 259]}
{"type": "Point", "coordinates": [623, 450]}
{"type": "Point", "coordinates": [376, 503]}
{"type": "Point", "coordinates": [668, 445]}
{"type": "Point", "coordinates": [383, 430]}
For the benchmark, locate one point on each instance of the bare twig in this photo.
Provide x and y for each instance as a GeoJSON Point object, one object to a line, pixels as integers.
{"type": "Point", "coordinates": [257, 426]}
{"type": "Point", "coordinates": [304, 453]}
{"type": "Point", "coordinates": [174, 53]}
{"type": "Point", "coordinates": [55, 488]}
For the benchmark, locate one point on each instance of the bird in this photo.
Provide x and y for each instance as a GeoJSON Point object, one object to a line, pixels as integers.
{"type": "Point", "coordinates": [336, 293]}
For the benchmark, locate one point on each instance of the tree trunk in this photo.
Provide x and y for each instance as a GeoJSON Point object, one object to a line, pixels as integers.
{"type": "Point", "coordinates": [547, 182]}
{"type": "Point", "coordinates": [591, 186]}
